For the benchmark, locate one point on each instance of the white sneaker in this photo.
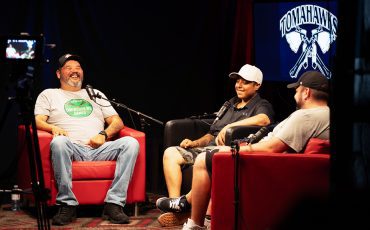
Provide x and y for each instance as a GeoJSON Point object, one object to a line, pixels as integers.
{"type": "Point", "coordinates": [207, 223]}
{"type": "Point", "coordinates": [190, 225]}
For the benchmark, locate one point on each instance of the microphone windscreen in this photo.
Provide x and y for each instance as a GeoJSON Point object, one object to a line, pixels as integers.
{"type": "Point", "coordinates": [222, 111]}
{"type": "Point", "coordinates": [259, 135]}
{"type": "Point", "coordinates": [90, 92]}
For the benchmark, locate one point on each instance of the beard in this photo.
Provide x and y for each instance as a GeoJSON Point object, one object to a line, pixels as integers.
{"type": "Point", "coordinates": [299, 103]}
{"type": "Point", "coordinates": [74, 84]}
{"type": "Point", "coordinates": [68, 80]}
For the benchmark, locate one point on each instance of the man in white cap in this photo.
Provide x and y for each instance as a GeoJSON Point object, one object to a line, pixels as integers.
{"type": "Point", "coordinates": [291, 135]}
{"type": "Point", "coordinates": [245, 109]}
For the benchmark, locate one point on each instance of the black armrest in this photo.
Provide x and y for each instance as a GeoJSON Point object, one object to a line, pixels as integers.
{"type": "Point", "coordinates": [239, 132]}
{"type": "Point", "coordinates": [177, 130]}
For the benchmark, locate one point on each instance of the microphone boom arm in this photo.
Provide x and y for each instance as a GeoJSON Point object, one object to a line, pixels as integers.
{"type": "Point", "coordinates": [131, 110]}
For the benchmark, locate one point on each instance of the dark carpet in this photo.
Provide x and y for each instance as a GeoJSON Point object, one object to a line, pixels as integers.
{"type": "Point", "coordinates": [88, 217]}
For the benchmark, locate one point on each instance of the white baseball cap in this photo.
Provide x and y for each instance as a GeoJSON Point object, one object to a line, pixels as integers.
{"type": "Point", "coordinates": [249, 73]}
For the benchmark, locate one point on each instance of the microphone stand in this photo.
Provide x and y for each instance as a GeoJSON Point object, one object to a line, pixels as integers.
{"type": "Point", "coordinates": [235, 154]}
{"type": "Point", "coordinates": [235, 147]}
{"type": "Point", "coordinates": [141, 115]}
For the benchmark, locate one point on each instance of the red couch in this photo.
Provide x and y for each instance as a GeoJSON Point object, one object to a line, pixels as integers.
{"type": "Point", "coordinates": [90, 180]}
{"type": "Point", "coordinates": [270, 185]}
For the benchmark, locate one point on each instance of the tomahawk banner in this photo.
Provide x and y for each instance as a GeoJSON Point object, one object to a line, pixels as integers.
{"type": "Point", "coordinates": [293, 37]}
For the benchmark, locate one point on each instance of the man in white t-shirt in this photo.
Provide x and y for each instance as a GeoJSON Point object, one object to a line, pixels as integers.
{"type": "Point", "coordinates": [82, 129]}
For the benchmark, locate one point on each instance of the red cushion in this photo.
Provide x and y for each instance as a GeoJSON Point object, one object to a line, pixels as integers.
{"type": "Point", "coordinates": [97, 170]}
{"type": "Point", "coordinates": [316, 145]}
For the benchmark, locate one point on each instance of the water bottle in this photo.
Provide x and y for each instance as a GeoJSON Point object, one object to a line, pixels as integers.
{"type": "Point", "coordinates": [16, 198]}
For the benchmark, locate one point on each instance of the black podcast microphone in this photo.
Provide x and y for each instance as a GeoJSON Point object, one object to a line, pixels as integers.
{"type": "Point", "coordinates": [254, 138]}
{"type": "Point", "coordinates": [258, 135]}
{"type": "Point", "coordinates": [90, 92]}
{"type": "Point", "coordinates": [222, 111]}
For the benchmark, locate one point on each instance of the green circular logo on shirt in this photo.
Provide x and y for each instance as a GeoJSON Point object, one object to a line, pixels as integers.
{"type": "Point", "coordinates": [78, 108]}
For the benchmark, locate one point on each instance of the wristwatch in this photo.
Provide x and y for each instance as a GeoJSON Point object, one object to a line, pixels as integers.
{"type": "Point", "coordinates": [104, 133]}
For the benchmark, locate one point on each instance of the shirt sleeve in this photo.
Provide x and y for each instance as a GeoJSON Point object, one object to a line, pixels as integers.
{"type": "Point", "coordinates": [265, 107]}
{"type": "Point", "coordinates": [42, 105]}
{"type": "Point", "coordinates": [295, 130]}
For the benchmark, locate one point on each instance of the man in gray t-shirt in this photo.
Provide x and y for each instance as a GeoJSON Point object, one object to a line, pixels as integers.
{"type": "Point", "coordinates": [82, 128]}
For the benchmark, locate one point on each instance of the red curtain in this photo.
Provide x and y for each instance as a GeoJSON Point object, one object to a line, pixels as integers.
{"type": "Point", "coordinates": [242, 45]}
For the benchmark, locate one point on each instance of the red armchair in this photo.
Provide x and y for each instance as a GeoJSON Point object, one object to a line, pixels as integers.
{"type": "Point", "coordinates": [270, 185]}
{"type": "Point", "coordinates": [90, 180]}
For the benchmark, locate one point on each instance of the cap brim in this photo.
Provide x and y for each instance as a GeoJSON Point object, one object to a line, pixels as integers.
{"type": "Point", "coordinates": [73, 57]}
{"type": "Point", "coordinates": [234, 75]}
{"type": "Point", "coordinates": [293, 85]}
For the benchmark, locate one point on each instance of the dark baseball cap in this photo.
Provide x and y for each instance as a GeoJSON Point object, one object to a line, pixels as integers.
{"type": "Point", "coordinates": [313, 80]}
{"type": "Point", "coordinates": [66, 57]}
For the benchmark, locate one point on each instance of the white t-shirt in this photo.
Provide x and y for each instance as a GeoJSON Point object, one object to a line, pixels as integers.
{"type": "Point", "coordinates": [74, 112]}
{"type": "Point", "coordinates": [301, 125]}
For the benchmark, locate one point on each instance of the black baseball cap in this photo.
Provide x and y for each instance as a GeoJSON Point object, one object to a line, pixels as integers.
{"type": "Point", "coordinates": [312, 79]}
{"type": "Point", "coordinates": [66, 57]}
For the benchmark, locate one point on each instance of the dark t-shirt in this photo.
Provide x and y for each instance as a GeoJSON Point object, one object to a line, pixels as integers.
{"type": "Point", "coordinates": [256, 106]}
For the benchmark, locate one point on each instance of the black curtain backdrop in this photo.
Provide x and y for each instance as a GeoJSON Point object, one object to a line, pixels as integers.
{"type": "Point", "coordinates": [165, 59]}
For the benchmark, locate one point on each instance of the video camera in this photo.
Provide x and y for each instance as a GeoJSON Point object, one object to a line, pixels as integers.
{"type": "Point", "coordinates": [20, 58]}
{"type": "Point", "coordinates": [21, 49]}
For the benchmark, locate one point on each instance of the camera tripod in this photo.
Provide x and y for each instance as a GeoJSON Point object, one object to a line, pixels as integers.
{"type": "Point", "coordinates": [24, 83]}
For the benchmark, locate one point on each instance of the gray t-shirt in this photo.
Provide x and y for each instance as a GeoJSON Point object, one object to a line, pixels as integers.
{"type": "Point", "coordinates": [74, 112]}
{"type": "Point", "coordinates": [301, 125]}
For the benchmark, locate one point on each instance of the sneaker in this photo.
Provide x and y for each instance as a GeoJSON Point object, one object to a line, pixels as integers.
{"type": "Point", "coordinates": [190, 225]}
{"type": "Point", "coordinates": [179, 204]}
{"type": "Point", "coordinates": [65, 215]}
{"type": "Point", "coordinates": [207, 222]}
{"type": "Point", "coordinates": [114, 213]}
{"type": "Point", "coordinates": [170, 219]}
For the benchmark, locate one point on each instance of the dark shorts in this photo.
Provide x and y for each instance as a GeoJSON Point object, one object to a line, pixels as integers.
{"type": "Point", "coordinates": [209, 156]}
